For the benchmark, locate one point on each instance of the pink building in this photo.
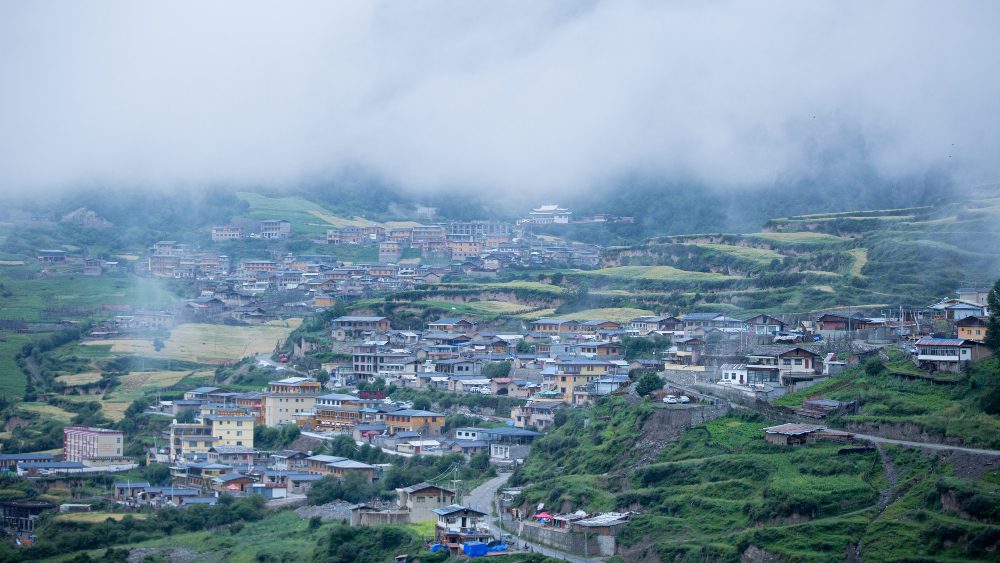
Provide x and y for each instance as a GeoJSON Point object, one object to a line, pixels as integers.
{"type": "Point", "coordinates": [82, 442]}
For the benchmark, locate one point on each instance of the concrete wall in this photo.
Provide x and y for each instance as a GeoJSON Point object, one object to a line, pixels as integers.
{"type": "Point", "coordinates": [593, 545]}
{"type": "Point", "coordinates": [380, 518]}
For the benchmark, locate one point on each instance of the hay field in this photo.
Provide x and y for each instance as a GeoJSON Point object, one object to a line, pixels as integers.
{"type": "Point", "coordinates": [79, 378]}
{"type": "Point", "coordinates": [860, 259]}
{"type": "Point", "coordinates": [96, 517]}
{"type": "Point", "coordinates": [206, 343]}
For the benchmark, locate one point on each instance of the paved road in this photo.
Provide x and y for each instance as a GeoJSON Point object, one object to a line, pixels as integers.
{"type": "Point", "coordinates": [926, 445]}
{"type": "Point", "coordinates": [481, 499]}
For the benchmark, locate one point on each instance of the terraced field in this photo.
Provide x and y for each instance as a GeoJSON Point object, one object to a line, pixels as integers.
{"type": "Point", "coordinates": [801, 237]}
{"type": "Point", "coordinates": [761, 255]}
{"type": "Point", "coordinates": [654, 273]}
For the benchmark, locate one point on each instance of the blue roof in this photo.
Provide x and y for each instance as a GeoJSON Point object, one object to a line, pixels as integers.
{"type": "Point", "coordinates": [26, 457]}
{"type": "Point", "coordinates": [50, 465]}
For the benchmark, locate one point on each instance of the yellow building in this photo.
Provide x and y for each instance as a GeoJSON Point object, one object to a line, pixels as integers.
{"type": "Point", "coordinates": [231, 430]}
{"type": "Point", "coordinates": [972, 328]}
{"type": "Point", "coordinates": [287, 398]}
{"type": "Point", "coordinates": [427, 423]}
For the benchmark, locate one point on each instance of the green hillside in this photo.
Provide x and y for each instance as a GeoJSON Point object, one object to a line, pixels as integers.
{"type": "Point", "coordinates": [721, 490]}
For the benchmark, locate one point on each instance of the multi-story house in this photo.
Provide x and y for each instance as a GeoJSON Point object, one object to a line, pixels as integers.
{"type": "Point", "coordinates": [554, 327]}
{"type": "Point", "coordinates": [275, 229]}
{"type": "Point", "coordinates": [358, 327]}
{"type": "Point", "coordinates": [226, 233]}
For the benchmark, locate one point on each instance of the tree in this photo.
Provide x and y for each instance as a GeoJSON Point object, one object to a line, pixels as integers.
{"type": "Point", "coordinates": [993, 321]}
{"type": "Point", "coordinates": [186, 416]}
{"type": "Point", "coordinates": [422, 404]}
{"type": "Point", "coordinates": [494, 370]}
{"type": "Point", "coordinates": [648, 383]}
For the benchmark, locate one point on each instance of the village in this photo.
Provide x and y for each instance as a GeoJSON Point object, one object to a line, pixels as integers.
{"type": "Point", "coordinates": [391, 385]}
{"type": "Point", "coordinates": [554, 364]}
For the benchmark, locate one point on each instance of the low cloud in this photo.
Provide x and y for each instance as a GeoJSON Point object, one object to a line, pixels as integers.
{"type": "Point", "coordinates": [513, 97]}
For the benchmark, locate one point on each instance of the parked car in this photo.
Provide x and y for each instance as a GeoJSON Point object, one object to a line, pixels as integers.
{"type": "Point", "coordinates": [684, 399]}
{"type": "Point", "coordinates": [670, 399]}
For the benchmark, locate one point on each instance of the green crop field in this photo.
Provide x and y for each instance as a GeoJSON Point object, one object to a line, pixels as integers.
{"type": "Point", "coordinates": [12, 379]}
{"type": "Point", "coordinates": [616, 314]}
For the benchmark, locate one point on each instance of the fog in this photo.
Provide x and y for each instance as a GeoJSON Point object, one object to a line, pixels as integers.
{"type": "Point", "coordinates": [507, 97]}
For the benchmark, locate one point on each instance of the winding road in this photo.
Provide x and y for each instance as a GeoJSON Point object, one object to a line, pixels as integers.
{"type": "Point", "coordinates": [925, 445]}
{"type": "Point", "coordinates": [481, 499]}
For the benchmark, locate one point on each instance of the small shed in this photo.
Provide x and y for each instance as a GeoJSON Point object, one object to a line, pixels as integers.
{"type": "Point", "coordinates": [791, 434]}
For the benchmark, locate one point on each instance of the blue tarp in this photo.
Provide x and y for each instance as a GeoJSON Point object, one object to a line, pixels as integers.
{"type": "Point", "coordinates": [436, 548]}
{"type": "Point", "coordinates": [497, 547]}
{"type": "Point", "coordinates": [474, 548]}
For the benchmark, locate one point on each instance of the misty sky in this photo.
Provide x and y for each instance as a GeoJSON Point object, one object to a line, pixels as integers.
{"type": "Point", "coordinates": [511, 96]}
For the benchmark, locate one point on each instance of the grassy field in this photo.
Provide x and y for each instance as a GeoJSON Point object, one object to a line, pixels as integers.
{"type": "Point", "coordinates": [30, 297]}
{"type": "Point", "coordinates": [801, 237]}
{"type": "Point", "coordinates": [206, 343]}
{"type": "Point", "coordinates": [46, 411]}
{"type": "Point", "coordinates": [306, 216]}
{"type": "Point", "coordinates": [653, 273]}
